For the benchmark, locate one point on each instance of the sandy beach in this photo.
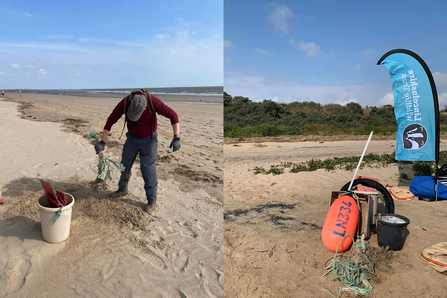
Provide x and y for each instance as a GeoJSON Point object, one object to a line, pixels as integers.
{"type": "Point", "coordinates": [114, 249]}
{"type": "Point", "coordinates": [272, 234]}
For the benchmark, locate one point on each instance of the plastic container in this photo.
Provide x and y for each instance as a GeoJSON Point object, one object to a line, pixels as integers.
{"type": "Point", "coordinates": [392, 230]}
{"type": "Point", "coordinates": [60, 230]}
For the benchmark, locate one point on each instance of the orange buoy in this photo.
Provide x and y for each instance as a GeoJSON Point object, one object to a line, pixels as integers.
{"type": "Point", "coordinates": [341, 220]}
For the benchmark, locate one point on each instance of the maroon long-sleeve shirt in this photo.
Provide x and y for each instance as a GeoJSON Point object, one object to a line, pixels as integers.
{"type": "Point", "coordinates": [144, 127]}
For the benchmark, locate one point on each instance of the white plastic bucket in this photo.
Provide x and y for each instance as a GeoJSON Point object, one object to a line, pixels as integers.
{"type": "Point", "coordinates": [60, 230]}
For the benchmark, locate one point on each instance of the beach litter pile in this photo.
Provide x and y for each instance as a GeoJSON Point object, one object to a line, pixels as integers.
{"type": "Point", "coordinates": [103, 167]}
{"type": "Point", "coordinates": [355, 270]}
{"type": "Point", "coordinates": [349, 216]}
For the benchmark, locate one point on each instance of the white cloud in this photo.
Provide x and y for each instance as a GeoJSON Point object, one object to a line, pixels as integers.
{"type": "Point", "coordinates": [388, 99]}
{"type": "Point", "coordinates": [356, 87]}
{"type": "Point", "coordinates": [262, 51]}
{"type": "Point", "coordinates": [16, 66]}
{"type": "Point", "coordinates": [59, 36]}
{"type": "Point", "coordinates": [280, 17]}
{"type": "Point", "coordinates": [275, 99]}
{"type": "Point", "coordinates": [102, 41]}
{"type": "Point", "coordinates": [358, 66]}
{"type": "Point", "coordinates": [442, 100]}
{"type": "Point", "coordinates": [311, 48]}
{"type": "Point", "coordinates": [343, 99]}
{"type": "Point", "coordinates": [28, 66]}
{"type": "Point", "coordinates": [440, 78]}
{"type": "Point", "coordinates": [3, 73]}
{"type": "Point", "coordinates": [258, 88]}
{"type": "Point", "coordinates": [42, 72]}
{"type": "Point", "coordinates": [16, 13]}
{"type": "Point", "coordinates": [47, 46]}
{"type": "Point", "coordinates": [345, 102]}
{"type": "Point", "coordinates": [193, 60]}
{"type": "Point", "coordinates": [182, 35]}
{"type": "Point", "coordinates": [77, 74]}
{"type": "Point", "coordinates": [228, 44]}
{"type": "Point", "coordinates": [161, 36]}
{"type": "Point", "coordinates": [89, 71]}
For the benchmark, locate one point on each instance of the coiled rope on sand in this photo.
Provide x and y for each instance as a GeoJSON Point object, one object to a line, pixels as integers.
{"type": "Point", "coordinates": [352, 272]}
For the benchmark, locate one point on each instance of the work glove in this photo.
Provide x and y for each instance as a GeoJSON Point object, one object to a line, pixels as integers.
{"type": "Point", "coordinates": [99, 146]}
{"type": "Point", "coordinates": [175, 144]}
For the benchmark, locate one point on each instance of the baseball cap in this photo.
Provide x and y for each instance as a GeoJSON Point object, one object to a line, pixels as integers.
{"type": "Point", "coordinates": [137, 107]}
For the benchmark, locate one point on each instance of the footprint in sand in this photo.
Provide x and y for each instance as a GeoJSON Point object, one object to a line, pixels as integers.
{"type": "Point", "coordinates": [181, 263]}
{"type": "Point", "coordinates": [147, 255]}
{"type": "Point", "coordinates": [187, 231]}
{"type": "Point", "coordinates": [18, 277]}
{"type": "Point", "coordinates": [170, 231]}
{"type": "Point", "coordinates": [213, 282]}
{"type": "Point", "coordinates": [109, 269]}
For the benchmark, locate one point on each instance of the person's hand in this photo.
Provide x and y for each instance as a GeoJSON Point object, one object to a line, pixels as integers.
{"type": "Point", "coordinates": [99, 147]}
{"type": "Point", "coordinates": [175, 144]}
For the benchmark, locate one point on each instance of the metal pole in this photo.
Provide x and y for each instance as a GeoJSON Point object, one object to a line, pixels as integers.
{"type": "Point", "coordinates": [360, 161]}
{"type": "Point", "coordinates": [437, 181]}
{"type": "Point", "coordinates": [436, 188]}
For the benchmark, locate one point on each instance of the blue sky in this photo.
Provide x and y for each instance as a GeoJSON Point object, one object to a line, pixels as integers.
{"type": "Point", "coordinates": [326, 51]}
{"type": "Point", "coordinates": [111, 44]}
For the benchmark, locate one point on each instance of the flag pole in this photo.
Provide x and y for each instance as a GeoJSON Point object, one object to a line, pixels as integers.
{"type": "Point", "coordinates": [437, 181]}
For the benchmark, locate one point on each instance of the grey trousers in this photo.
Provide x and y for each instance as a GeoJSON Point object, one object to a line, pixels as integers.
{"type": "Point", "coordinates": [147, 148]}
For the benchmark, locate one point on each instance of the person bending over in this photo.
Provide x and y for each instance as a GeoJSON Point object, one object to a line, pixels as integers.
{"type": "Point", "coordinates": [140, 109]}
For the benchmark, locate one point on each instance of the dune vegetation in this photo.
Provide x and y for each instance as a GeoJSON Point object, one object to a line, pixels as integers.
{"type": "Point", "coordinates": [245, 118]}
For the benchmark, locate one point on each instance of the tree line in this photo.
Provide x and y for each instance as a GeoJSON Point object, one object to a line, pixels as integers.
{"type": "Point", "coordinates": [245, 118]}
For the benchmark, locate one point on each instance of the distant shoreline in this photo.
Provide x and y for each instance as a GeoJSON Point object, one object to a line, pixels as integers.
{"type": "Point", "coordinates": [162, 97]}
{"type": "Point", "coordinates": [171, 97]}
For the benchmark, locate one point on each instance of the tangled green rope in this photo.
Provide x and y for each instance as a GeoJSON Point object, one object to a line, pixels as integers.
{"type": "Point", "coordinates": [103, 164]}
{"type": "Point", "coordinates": [349, 273]}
